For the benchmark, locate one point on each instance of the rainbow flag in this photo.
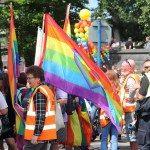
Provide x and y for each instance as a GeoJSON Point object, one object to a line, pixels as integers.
{"type": "Point", "coordinates": [13, 67]}
{"type": "Point", "coordinates": [13, 57]}
{"type": "Point", "coordinates": [67, 27]}
{"type": "Point", "coordinates": [67, 67]}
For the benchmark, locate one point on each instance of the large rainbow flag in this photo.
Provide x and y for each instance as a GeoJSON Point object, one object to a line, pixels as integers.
{"type": "Point", "coordinates": [14, 70]}
{"type": "Point", "coordinates": [67, 67]}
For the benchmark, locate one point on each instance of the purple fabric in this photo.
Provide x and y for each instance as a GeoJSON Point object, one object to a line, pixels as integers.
{"type": "Point", "coordinates": [20, 141]}
{"type": "Point", "coordinates": [70, 88]}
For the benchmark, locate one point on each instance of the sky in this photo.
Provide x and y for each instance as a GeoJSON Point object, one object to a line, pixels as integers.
{"type": "Point", "coordinates": [93, 3]}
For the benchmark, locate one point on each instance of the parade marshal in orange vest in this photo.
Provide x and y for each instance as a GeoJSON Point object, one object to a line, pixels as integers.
{"type": "Point", "coordinates": [128, 99]}
{"type": "Point", "coordinates": [40, 124]}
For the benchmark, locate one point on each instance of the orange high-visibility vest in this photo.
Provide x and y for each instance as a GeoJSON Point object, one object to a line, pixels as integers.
{"type": "Point", "coordinates": [103, 121]}
{"type": "Point", "coordinates": [49, 129]}
{"type": "Point", "coordinates": [129, 107]}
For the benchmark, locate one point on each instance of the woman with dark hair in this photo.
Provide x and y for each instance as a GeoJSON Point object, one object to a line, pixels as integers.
{"type": "Point", "coordinates": [8, 121]}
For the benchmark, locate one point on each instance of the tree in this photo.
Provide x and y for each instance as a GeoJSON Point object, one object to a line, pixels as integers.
{"type": "Point", "coordinates": [125, 17]}
{"type": "Point", "coordinates": [29, 15]}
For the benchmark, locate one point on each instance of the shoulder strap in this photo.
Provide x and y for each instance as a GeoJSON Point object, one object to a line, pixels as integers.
{"type": "Point", "coordinates": [19, 94]}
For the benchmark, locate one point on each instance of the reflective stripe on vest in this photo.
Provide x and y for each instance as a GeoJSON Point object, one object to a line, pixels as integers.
{"type": "Point", "coordinates": [46, 127]}
{"type": "Point", "coordinates": [103, 121]}
{"type": "Point", "coordinates": [49, 129]}
{"type": "Point", "coordinates": [148, 91]}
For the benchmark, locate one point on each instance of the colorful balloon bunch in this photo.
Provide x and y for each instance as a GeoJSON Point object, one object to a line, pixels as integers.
{"type": "Point", "coordinates": [81, 29]}
{"type": "Point", "coordinates": [105, 54]}
{"type": "Point", "coordinates": [81, 33]}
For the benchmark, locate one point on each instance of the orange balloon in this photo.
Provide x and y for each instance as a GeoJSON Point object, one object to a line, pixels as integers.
{"type": "Point", "coordinates": [77, 25]}
{"type": "Point", "coordinates": [81, 30]}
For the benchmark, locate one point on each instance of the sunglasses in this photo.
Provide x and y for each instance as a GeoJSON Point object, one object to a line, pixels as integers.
{"type": "Point", "coordinates": [128, 62]}
{"type": "Point", "coordinates": [146, 67]}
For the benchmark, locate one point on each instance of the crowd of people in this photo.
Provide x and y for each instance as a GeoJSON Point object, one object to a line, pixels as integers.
{"type": "Point", "coordinates": [37, 102]}
{"type": "Point", "coordinates": [129, 44]}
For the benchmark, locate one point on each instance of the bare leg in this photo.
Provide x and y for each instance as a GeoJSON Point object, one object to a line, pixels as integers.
{"type": "Point", "coordinates": [11, 144]}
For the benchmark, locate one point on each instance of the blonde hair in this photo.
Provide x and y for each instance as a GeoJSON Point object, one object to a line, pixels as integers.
{"type": "Point", "coordinates": [114, 79]}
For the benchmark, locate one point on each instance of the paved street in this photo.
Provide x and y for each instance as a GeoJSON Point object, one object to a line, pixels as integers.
{"type": "Point", "coordinates": [123, 144]}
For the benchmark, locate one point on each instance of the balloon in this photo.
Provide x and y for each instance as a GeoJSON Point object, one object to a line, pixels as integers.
{"type": "Point", "coordinates": [84, 44]}
{"type": "Point", "coordinates": [85, 48]}
{"type": "Point", "coordinates": [81, 35]}
{"type": "Point", "coordinates": [76, 35]}
{"type": "Point", "coordinates": [84, 14]}
{"type": "Point", "coordinates": [81, 30]}
{"type": "Point", "coordinates": [76, 30]}
{"type": "Point", "coordinates": [78, 40]}
{"type": "Point", "coordinates": [86, 36]}
{"type": "Point", "coordinates": [86, 28]}
{"type": "Point", "coordinates": [77, 25]}
{"type": "Point", "coordinates": [83, 39]}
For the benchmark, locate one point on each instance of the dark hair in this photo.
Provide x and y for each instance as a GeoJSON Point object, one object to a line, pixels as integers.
{"type": "Point", "coordinates": [146, 61]}
{"type": "Point", "coordinates": [36, 71]}
{"type": "Point", "coordinates": [23, 78]}
{"type": "Point", "coordinates": [5, 81]}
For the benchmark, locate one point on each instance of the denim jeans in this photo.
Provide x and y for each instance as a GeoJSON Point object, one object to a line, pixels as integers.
{"type": "Point", "coordinates": [114, 137]}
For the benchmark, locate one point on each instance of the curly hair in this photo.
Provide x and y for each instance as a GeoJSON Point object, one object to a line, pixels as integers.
{"type": "Point", "coordinates": [36, 71]}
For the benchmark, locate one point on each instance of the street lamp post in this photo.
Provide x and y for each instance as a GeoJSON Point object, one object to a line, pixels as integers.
{"type": "Point", "coordinates": [99, 41]}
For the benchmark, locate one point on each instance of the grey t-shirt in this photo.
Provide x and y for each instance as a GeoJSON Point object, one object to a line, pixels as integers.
{"type": "Point", "coordinates": [131, 88]}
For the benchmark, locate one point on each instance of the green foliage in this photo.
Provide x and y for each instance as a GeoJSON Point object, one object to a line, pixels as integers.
{"type": "Point", "coordinates": [28, 15]}
{"type": "Point", "coordinates": [130, 17]}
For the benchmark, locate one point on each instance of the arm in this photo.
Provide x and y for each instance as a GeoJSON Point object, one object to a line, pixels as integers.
{"type": "Point", "coordinates": [130, 85]}
{"type": "Point", "coordinates": [62, 101]}
{"type": "Point", "coordinates": [3, 105]}
{"type": "Point", "coordinates": [141, 91]}
{"type": "Point", "coordinates": [4, 111]}
{"type": "Point", "coordinates": [40, 108]}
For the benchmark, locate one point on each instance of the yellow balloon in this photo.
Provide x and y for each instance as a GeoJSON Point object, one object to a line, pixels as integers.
{"type": "Point", "coordinates": [84, 14]}
{"type": "Point", "coordinates": [86, 36]}
{"type": "Point", "coordinates": [81, 35]}
{"type": "Point", "coordinates": [76, 30]}
{"type": "Point", "coordinates": [86, 28]}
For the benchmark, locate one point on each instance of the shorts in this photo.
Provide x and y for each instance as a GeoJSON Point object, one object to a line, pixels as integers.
{"type": "Point", "coordinates": [9, 134]}
{"type": "Point", "coordinates": [131, 134]}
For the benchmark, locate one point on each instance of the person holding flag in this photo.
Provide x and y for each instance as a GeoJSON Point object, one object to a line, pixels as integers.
{"type": "Point", "coordinates": [40, 126]}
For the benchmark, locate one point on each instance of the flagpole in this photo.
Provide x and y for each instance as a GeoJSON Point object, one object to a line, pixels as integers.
{"type": "Point", "coordinates": [41, 49]}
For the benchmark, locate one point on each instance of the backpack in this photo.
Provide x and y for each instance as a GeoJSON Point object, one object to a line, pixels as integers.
{"type": "Point", "coordinates": [19, 94]}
